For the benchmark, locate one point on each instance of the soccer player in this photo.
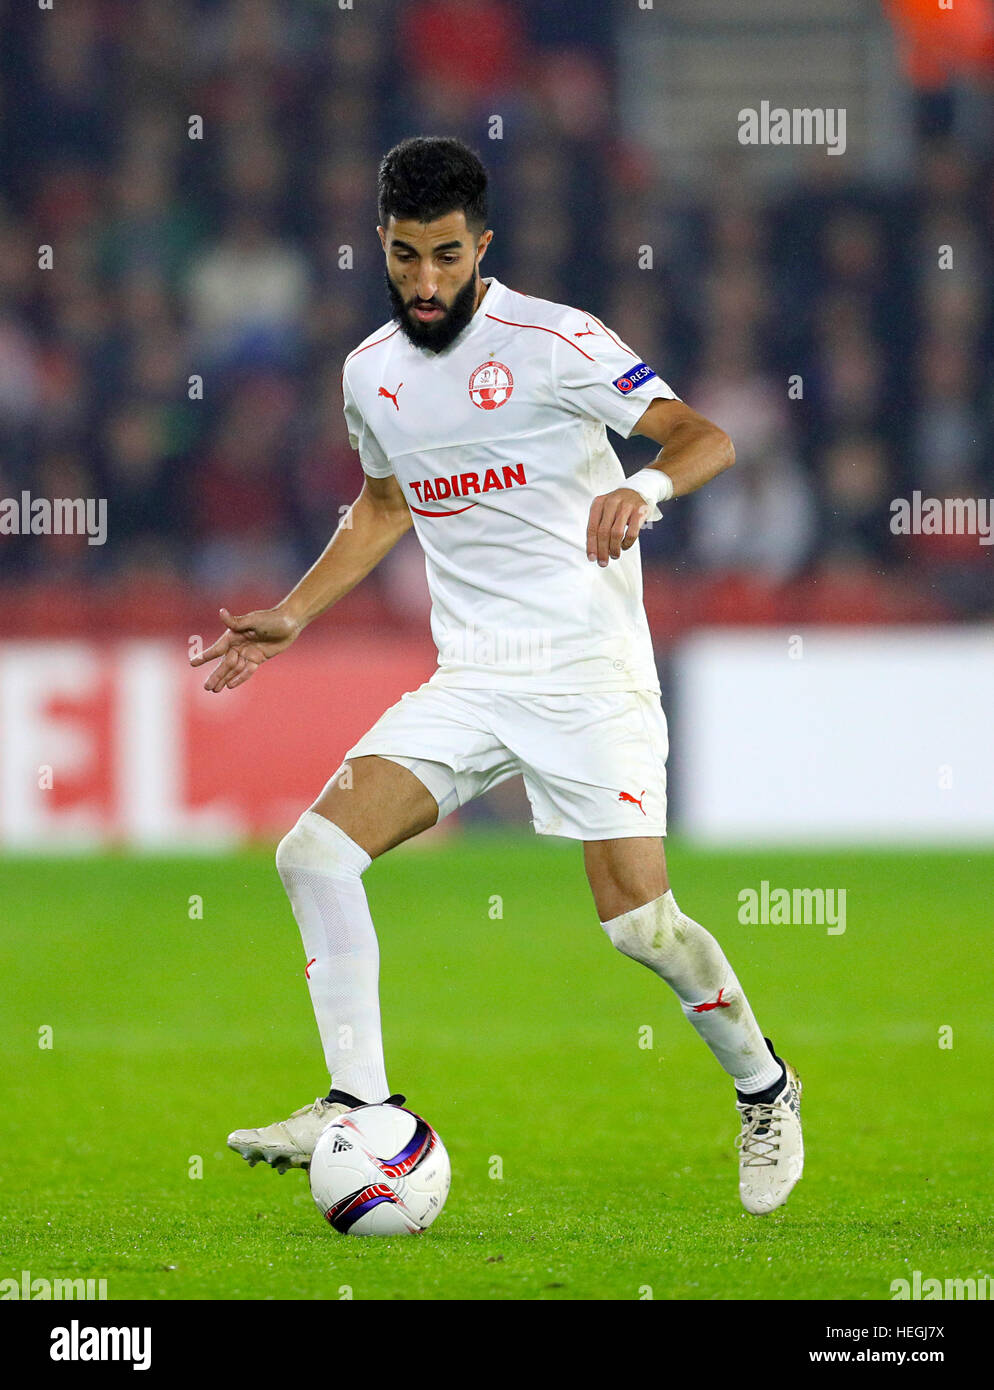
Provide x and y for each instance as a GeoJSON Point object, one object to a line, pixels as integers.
{"type": "Point", "coordinates": [479, 415]}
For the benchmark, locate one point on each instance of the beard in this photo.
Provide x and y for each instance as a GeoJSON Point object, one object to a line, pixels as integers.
{"type": "Point", "coordinates": [442, 332]}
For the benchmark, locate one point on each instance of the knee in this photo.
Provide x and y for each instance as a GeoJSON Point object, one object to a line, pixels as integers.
{"type": "Point", "coordinates": [295, 850]}
{"type": "Point", "coordinates": [318, 844]}
{"type": "Point", "coordinates": [650, 933]}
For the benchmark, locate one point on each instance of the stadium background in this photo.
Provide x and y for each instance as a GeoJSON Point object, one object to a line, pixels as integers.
{"type": "Point", "coordinates": [249, 258]}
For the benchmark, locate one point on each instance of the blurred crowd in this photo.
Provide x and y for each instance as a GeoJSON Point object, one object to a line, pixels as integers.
{"type": "Point", "coordinates": [182, 355]}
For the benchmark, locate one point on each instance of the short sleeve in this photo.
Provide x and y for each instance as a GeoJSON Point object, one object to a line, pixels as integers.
{"type": "Point", "coordinates": [361, 437]}
{"type": "Point", "coordinates": [596, 374]}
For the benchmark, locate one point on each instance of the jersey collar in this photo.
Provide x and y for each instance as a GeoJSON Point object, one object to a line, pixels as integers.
{"type": "Point", "coordinates": [494, 288]}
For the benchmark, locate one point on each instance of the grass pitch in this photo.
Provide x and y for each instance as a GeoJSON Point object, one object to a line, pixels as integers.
{"type": "Point", "coordinates": [521, 1036]}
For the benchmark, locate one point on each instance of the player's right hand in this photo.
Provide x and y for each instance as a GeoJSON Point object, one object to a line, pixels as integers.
{"type": "Point", "coordinates": [614, 523]}
{"type": "Point", "coordinates": [249, 641]}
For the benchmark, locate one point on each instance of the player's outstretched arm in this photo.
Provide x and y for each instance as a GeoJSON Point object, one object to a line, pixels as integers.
{"type": "Point", "coordinates": [694, 451]}
{"type": "Point", "coordinates": [372, 526]}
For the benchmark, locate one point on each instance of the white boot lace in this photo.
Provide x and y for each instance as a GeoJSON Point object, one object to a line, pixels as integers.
{"type": "Point", "coordinates": [759, 1141]}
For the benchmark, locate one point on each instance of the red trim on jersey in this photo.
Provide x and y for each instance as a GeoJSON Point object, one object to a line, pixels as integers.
{"type": "Point", "coordinates": [544, 330]}
{"type": "Point", "coordinates": [355, 351]}
{"type": "Point", "coordinates": [455, 513]}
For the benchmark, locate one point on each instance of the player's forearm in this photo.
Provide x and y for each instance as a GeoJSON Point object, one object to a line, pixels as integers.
{"type": "Point", "coordinates": [694, 454]}
{"type": "Point", "coordinates": [366, 533]}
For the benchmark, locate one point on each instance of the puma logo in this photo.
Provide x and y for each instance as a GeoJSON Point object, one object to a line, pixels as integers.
{"type": "Point", "coordinates": [390, 395]}
{"type": "Point", "coordinates": [718, 1003]}
{"type": "Point", "coordinates": [636, 800]}
{"type": "Point", "coordinates": [307, 967]}
{"type": "Point", "coordinates": [587, 332]}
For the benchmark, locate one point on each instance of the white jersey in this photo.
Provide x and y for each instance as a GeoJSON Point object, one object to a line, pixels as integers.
{"type": "Point", "coordinates": [499, 444]}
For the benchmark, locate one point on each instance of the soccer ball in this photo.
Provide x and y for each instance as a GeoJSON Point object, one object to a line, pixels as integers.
{"type": "Point", "coordinates": [379, 1170]}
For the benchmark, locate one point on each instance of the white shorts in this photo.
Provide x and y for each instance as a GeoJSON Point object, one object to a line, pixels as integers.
{"type": "Point", "coordinates": [594, 765]}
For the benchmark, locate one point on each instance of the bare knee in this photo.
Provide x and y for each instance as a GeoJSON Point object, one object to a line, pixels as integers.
{"type": "Point", "coordinates": [625, 874]}
{"type": "Point", "coordinates": [377, 803]}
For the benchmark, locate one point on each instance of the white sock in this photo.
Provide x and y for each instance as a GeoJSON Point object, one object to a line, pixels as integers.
{"type": "Point", "coordinates": [322, 869]}
{"type": "Point", "coordinates": [692, 963]}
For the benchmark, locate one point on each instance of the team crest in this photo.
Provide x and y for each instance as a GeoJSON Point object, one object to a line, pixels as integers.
{"type": "Point", "coordinates": [490, 385]}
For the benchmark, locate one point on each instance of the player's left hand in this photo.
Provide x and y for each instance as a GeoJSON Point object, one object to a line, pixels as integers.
{"type": "Point", "coordinates": [615, 521]}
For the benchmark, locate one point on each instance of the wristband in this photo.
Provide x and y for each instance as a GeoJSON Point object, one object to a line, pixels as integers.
{"type": "Point", "coordinates": [654, 486]}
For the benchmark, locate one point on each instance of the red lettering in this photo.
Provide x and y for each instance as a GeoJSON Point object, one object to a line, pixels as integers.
{"type": "Point", "coordinates": [513, 475]}
{"type": "Point", "coordinates": [462, 484]}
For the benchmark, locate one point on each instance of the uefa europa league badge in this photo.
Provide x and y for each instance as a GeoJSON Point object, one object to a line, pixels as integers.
{"type": "Point", "coordinates": [490, 385]}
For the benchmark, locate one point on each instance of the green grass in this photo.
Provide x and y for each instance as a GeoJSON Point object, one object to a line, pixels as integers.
{"type": "Point", "coordinates": [517, 1037]}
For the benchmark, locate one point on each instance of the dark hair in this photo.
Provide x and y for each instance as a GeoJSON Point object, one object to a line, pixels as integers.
{"type": "Point", "coordinates": [428, 176]}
